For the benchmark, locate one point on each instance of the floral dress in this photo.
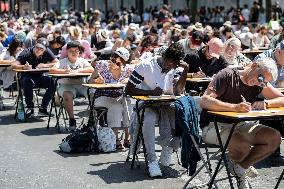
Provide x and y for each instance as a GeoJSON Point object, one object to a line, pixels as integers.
{"type": "Point", "coordinates": [103, 69]}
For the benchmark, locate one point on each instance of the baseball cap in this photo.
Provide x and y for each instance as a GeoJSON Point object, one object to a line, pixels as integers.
{"type": "Point", "coordinates": [197, 38]}
{"type": "Point", "coordinates": [122, 53]}
{"type": "Point", "coordinates": [215, 47]}
{"type": "Point", "coordinates": [42, 43]}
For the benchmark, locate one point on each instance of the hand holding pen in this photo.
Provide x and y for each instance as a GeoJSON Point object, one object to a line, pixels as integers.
{"type": "Point", "coordinates": [27, 66]}
{"type": "Point", "coordinates": [244, 106]}
{"type": "Point", "coordinates": [199, 74]}
{"type": "Point", "coordinates": [157, 91]}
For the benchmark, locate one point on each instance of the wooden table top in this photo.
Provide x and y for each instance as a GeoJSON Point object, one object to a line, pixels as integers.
{"type": "Point", "coordinates": [71, 75]}
{"type": "Point", "coordinates": [5, 65]}
{"type": "Point", "coordinates": [105, 86]}
{"type": "Point", "coordinates": [156, 98]}
{"type": "Point", "coordinates": [252, 51]}
{"type": "Point", "coordinates": [32, 70]}
{"type": "Point", "coordinates": [270, 112]}
{"type": "Point", "coordinates": [199, 80]}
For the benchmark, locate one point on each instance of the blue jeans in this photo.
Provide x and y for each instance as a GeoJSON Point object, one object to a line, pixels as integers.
{"type": "Point", "coordinates": [30, 82]}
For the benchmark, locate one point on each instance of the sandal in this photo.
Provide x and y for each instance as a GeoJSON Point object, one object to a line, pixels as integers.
{"type": "Point", "coordinates": [118, 145]}
{"type": "Point", "coordinates": [126, 144]}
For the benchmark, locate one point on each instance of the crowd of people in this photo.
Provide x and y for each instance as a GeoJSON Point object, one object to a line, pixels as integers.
{"type": "Point", "coordinates": [155, 58]}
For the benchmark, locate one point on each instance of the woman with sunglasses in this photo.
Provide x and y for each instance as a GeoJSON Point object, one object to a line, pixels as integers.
{"type": "Point", "coordinates": [231, 53]}
{"type": "Point", "coordinates": [114, 71]}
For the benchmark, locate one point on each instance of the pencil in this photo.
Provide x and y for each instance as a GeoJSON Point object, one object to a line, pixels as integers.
{"type": "Point", "coordinates": [243, 98]}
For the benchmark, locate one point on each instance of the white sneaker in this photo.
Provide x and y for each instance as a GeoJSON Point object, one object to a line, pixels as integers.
{"type": "Point", "coordinates": [243, 183]}
{"type": "Point", "coordinates": [251, 172]}
{"type": "Point", "coordinates": [166, 156]}
{"type": "Point", "coordinates": [154, 169]}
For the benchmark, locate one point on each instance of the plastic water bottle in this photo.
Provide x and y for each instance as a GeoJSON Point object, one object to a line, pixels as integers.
{"type": "Point", "coordinates": [21, 113]}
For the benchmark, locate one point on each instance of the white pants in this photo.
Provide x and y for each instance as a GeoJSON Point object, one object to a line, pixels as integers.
{"type": "Point", "coordinates": [166, 123]}
{"type": "Point", "coordinates": [7, 75]}
{"type": "Point", "coordinates": [119, 109]}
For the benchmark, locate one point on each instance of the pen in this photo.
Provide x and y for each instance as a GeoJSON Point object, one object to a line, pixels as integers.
{"type": "Point", "coordinates": [200, 70]}
{"type": "Point", "coordinates": [243, 98]}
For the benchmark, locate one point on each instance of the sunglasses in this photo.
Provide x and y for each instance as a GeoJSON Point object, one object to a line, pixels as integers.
{"type": "Point", "coordinates": [261, 81]}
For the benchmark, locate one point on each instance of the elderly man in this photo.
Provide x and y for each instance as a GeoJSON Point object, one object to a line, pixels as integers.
{"type": "Point", "coordinates": [36, 57]}
{"type": "Point", "coordinates": [207, 61]}
{"type": "Point", "coordinates": [277, 55]}
{"type": "Point", "coordinates": [155, 76]}
{"type": "Point", "coordinates": [237, 91]}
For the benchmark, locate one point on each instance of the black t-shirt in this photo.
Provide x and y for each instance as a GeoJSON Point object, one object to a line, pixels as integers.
{"type": "Point", "coordinates": [229, 88]}
{"type": "Point", "coordinates": [209, 67]}
{"type": "Point", "coordinates": [28, 56]}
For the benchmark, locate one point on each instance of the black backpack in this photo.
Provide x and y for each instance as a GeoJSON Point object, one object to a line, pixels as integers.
{"type": "Point", "coordinates": [81, 140]}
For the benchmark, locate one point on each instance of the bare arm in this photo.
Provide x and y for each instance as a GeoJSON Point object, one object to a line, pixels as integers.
{"type": "Point", "coordinates": [274, 97]}
{"type": "Point", "coordinates": [179, 86]}
{"type": "Point", "coordinates": [209, 102]}
{"type": "Point", "coordinates": [89, 69]}
{"type": "Point", "coordinates": [131, 90]}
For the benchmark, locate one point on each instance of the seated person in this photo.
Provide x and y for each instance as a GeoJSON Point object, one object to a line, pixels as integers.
{"type": "Point", "coordinates": [7, 57]}
{"type": "Point", "coordinates": [231, 53]}
{"type": "Point", "coordinates": [207, 61]}
{"type": "Point", "coordinates": [70, 88]}
{"type": "Point", "coordinates": [237, 91]}
{"type": "Point", "coordinates": [36, 57]}
{"type": "Point", "coordinates": [156, 76]}
{"type": "Point", "coordinates": [114, 71]}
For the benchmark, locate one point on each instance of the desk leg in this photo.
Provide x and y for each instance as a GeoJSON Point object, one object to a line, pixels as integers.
{"type": "Point", "coordinates": [20, 96]}
{"type": "Point", "coordinates": [54, 85]}
{"type": "Point", "coordinates": [223, 154]}
{"type": "Point", "coordinates": [279, 180]}
{"type": "Point", "coordinates": [140, 136]}
{"type": "Point", "coordinates": [91, 123]}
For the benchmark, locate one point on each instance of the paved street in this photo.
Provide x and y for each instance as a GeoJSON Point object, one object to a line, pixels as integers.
{"type": "Point", "coordinates": [29, 158]}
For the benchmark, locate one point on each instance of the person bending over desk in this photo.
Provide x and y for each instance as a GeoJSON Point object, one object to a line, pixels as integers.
{"type": "Point", "coordinates": [154, 77]}
{"type": "Point", "coordinates": [237, 91]}
{"type": "Point", "coordinates": [114, 71]}
{"type": "Point", "coordinates": [37, 57]}
{"type": "Point", "coordinates": [70, 88]}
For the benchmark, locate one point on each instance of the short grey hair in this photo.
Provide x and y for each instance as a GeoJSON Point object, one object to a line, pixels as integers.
{"type": "Point", "coordinates": [268, 64]}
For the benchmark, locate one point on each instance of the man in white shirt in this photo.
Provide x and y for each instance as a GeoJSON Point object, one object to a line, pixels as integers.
{"type": "Point", "coordinates": [156, 76]}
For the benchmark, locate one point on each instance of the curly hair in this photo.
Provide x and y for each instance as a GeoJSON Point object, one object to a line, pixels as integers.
{"type": "Point", "coordinates": [175, 52]}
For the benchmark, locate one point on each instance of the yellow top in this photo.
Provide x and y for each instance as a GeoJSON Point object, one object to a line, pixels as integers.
{"type": "Point", "coordinates": [199, 80]}
{"type": "Point", "coordinates": [33, 70]}
{"type": "Point", "coordinates": [71, 75]}
{"type": "Point", "coordinates": [156, 98]}
{"type": "Point", "coordinates": [252, 114]}
{"type": "Point", "coordinates": [105, 85]}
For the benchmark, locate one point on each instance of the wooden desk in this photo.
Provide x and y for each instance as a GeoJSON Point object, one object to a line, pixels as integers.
{"type": "Point", "coordinates": [55, 78]}
{"type": "Point", "coordinates": [199, 80]}
{"type": "Point", "coordinates": [140, 110]}
{"type": "Point", "coordinates": [4, 65]}
{"type": "Point", "coordinates": [280, 89]}
{"type": "Point", "coordinates": [271, 113]}
{"type": "Point", "coordinates": [20, 95]}
{"type": "Point", "coordinates": [252, 51]}
{"type": "Point", "coordinates": [104, 86]}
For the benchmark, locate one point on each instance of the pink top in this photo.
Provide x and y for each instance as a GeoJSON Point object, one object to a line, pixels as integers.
{"type": "Point", "coordinates": [87, 54]}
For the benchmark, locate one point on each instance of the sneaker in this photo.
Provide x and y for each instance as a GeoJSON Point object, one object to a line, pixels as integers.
{"type": "Point", "coordinates": [251, 172]}
{"type": "Point", "coordinates": [44, 112]}
{"type": "Point", "coordinates": [243, 183]}
{"type": "Point", "coordinates": [239, 171]}
{"type": "Point", "coordinates": [29, 113]}
{"type": "Point", "coordinates": [154, 169]}
{"type": "Point", "coordinates": [72, 125]}
{"type": "Point", "coordinates": [166, 156]}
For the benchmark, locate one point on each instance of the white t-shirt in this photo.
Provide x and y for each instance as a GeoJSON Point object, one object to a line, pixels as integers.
{"type": "Point", "coordinates": [148, 75]}
{"type": "Point", "coordinates": [65, 64]}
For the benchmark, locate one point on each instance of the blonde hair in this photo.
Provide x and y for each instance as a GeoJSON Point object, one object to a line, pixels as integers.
{"type": "Point", "coordinates": [75, 32]}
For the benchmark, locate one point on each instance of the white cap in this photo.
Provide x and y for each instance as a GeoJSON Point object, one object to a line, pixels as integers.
{"type": "Point", "coordinates": [122, 53]}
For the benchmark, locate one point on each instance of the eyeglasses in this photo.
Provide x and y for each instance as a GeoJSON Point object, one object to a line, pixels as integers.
{"type": "Point", "coordinates": [74, 51]}
{"type": "Point", "coordinates": [261, 81]}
